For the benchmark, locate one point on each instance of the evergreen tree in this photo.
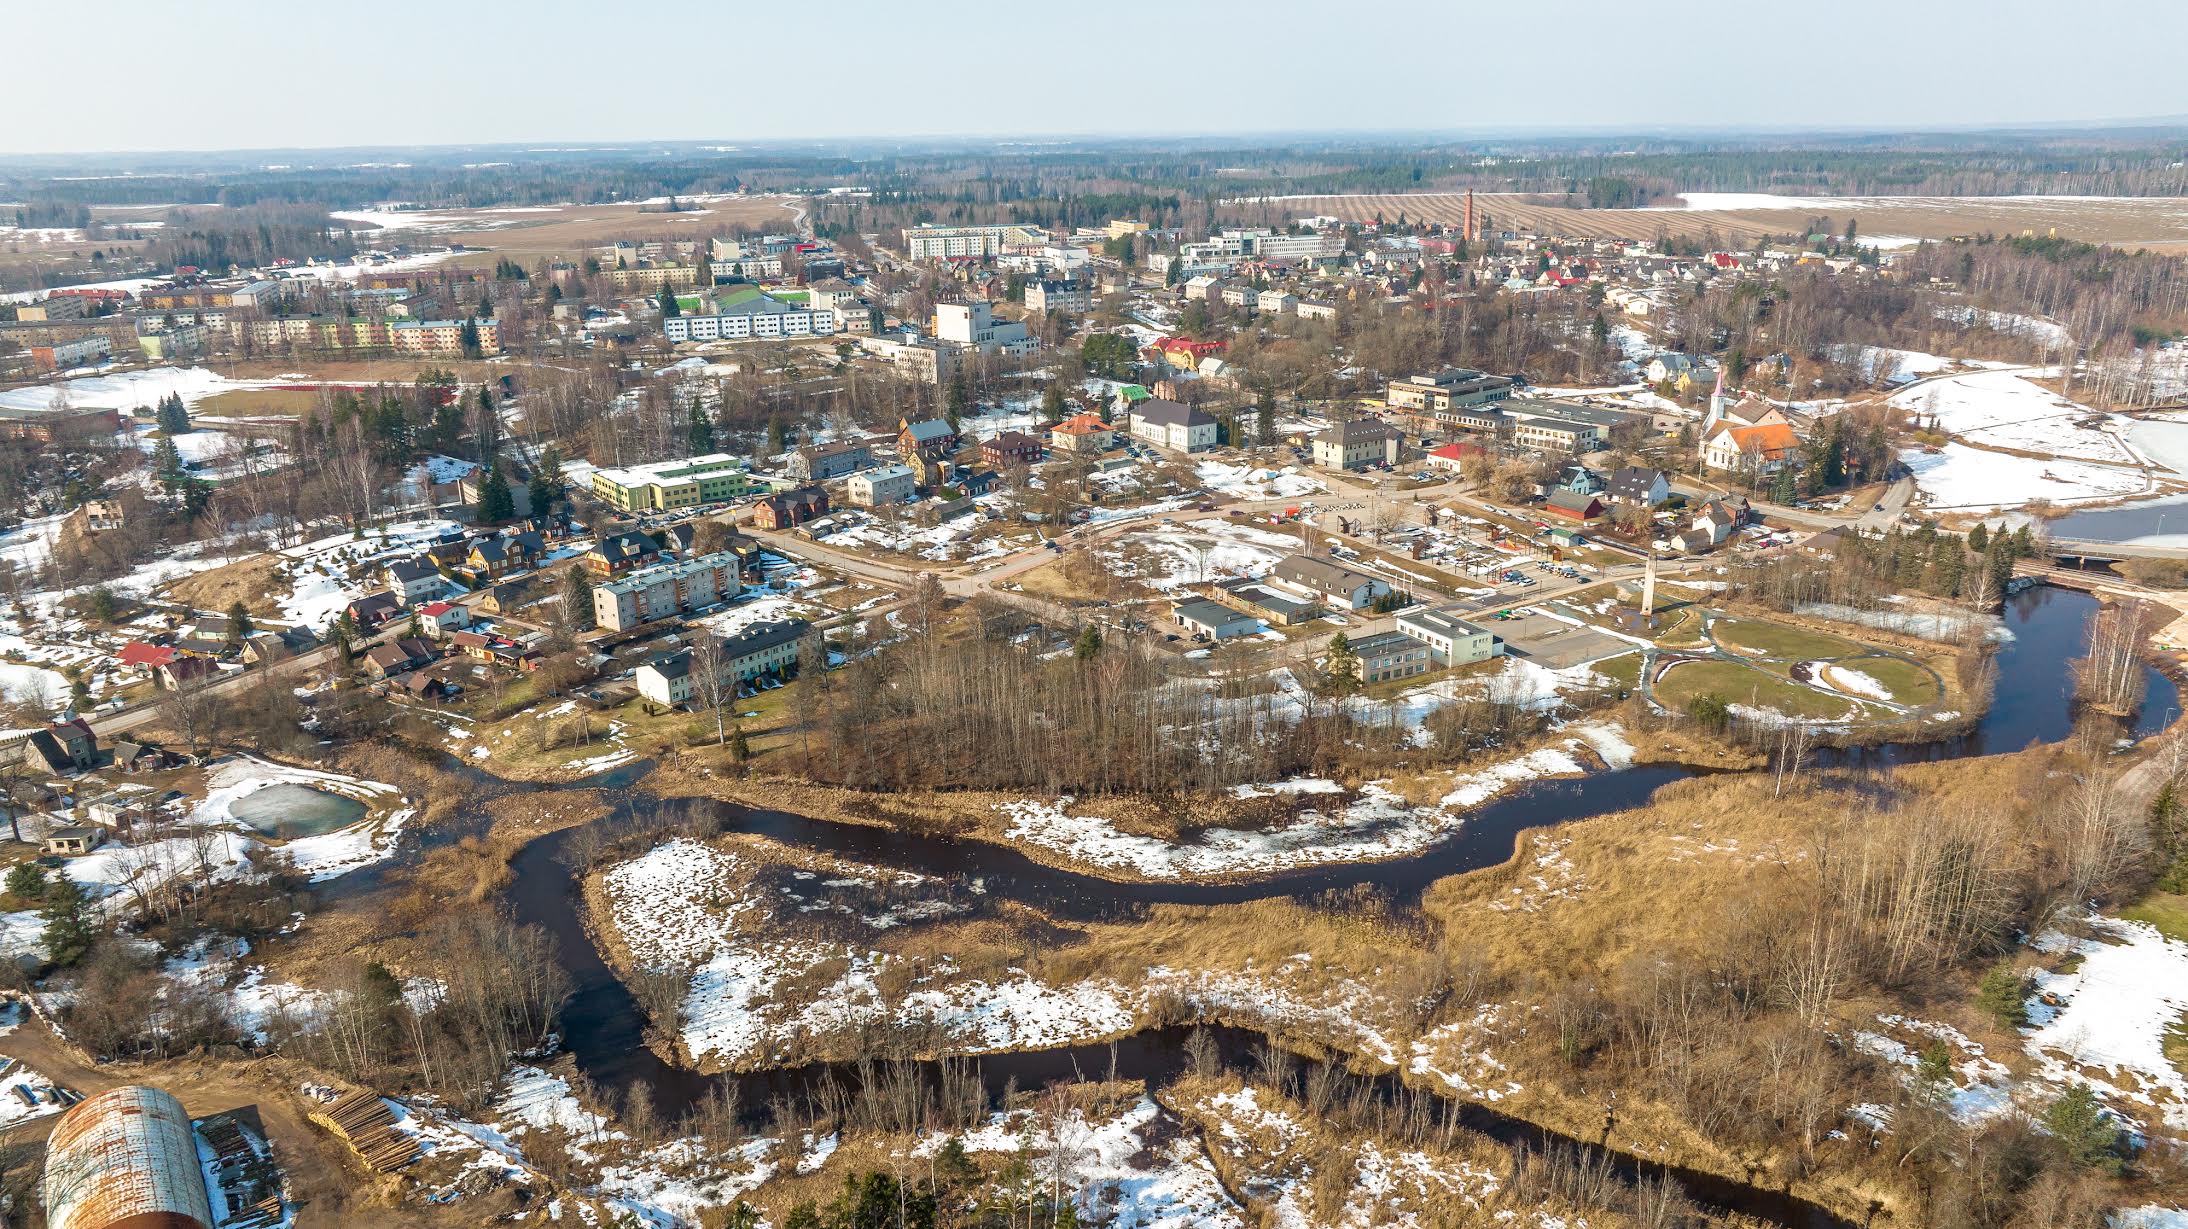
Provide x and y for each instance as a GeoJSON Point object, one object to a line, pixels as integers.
{"type": "Point", "coordinates": [2003, 996]}
{"type": "Point", "coordinates": [26, 881]}
{"type": "Point", "coordinates": [1340, 665]}
{"type": "Point", "coordinates": [778, 441]}
{"type": "Point", "coordinates": [577, 598]}
{"type": "Point", "coordinates": [1089, 643]}
{"type": "Point", "coordinates": [699, 432]}
{"type": "Point", "coordinates": [1052, 403]}
{"type": "Point", "coordinates": [467, 337]}
{"type": "Point", "coordinates": [956, 399]}
{"type": "Point", "coordinates": [172, 416]}
{"type": "Point", "coordinates": [1265, 416]}
{"type": "Point", "coordinates": [239, 621]}
{"type": "Point", "coordinates": [1979, 538]}
{"type": "Point", "coordinates": [739, 749]}
{"type": "Point", "coordinates": [496, 504]}
{"type": "Point", "coordinates": [167, 466]}
{"type": "Point", "coordinates": [68, 933]}
{"type": "Point", "coordinates": [545, 485]}
{"type": "Point", "coordinates": [2078, 1122]}
{"type": "Point", "coordinates": [670, 308]}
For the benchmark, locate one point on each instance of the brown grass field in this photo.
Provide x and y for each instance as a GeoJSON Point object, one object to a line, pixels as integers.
{"type": "Point", "coordinates": [2154, 222]}
{"type": "Point", "coordinates": [571, 229]}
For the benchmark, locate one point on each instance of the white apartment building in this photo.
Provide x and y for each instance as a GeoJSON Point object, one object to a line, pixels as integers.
{"type": "Point", "coordinates": [974, 325]}
{"type": "Point", "coordinates": [957, 242]}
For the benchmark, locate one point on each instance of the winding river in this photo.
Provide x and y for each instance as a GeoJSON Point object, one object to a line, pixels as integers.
{"type": "Point", "coordinates": [604, 1029]}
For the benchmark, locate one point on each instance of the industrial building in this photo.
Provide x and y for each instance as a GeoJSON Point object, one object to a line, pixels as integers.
{"type": "Point", "coordinates": [125, 1159]}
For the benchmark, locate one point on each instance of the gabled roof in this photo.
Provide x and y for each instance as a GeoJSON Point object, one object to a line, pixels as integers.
{"type": "Point", "coordinates": [138, 653]}
{"type": "Point", "coordinates": [1770, 440]}
{"type": "Point", "coordinates": [1164, 413]}
{"type": "Point", "coordinates": [1080, 424]}
{"type": "Point", "coordinates": [1573, 501]}
{"type": "Point", "coordinates": [406, 570]}
{"type": "Point", "coordinates": [929, 430]}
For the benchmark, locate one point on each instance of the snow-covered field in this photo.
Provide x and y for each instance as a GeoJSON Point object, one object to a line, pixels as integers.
{"type": "Point", "coordinates": [1256, 482]}
{"type": "Point", "coordinates": [1171, 557]}
{"type": "Point", "coordinates": [126, 390]}
{"type": "Point", "coordinates": [2130, 988]}
{"type": "Point", "coordinates": [1375, 824]}
{"type": "Point", "coordinates": [2008, 409]}
{"type": "Point", "coordinates": [1971, 479]}
{"type": "Point", "coordinates": [1130, 1176]}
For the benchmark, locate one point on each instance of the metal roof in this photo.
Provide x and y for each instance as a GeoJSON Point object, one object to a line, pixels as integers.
{"type": "Point", "coordinates": [126, 1156]}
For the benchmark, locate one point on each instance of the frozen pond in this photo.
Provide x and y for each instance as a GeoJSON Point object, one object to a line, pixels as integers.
{"type": "Point", "coordinates": [286, 810]}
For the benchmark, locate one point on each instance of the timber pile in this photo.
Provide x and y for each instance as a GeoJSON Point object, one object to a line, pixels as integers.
{"type": "Point", "coordinates": [364, 1122]}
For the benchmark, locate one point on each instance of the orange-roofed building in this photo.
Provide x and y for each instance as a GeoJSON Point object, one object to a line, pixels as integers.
{"type": "Point", "coordinates": [1081, 435]}
{"type": "Point", "coordinates": [1728, 445]}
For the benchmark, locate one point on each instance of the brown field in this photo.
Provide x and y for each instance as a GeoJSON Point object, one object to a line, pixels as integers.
{"type": "Point", "coordinates": [2157, 222]}
{"type": "Point", "coordinates": [257, 402]}
{"type": "Point", "coordinates": [571, 229]}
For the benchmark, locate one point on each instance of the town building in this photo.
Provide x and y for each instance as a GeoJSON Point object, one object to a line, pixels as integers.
{"type": "Point", "coordinates": [1573, 505]}
{"type": "Point", "coordinates": [441, 336]}
{"type": "Point", "coordinates": [821, 462]}
{"type": "Point", "coordinates": [745, 311]}
{"type": "Point", "coordinates": [1451, 640]}
{"type": "Point", "coordinates": [1640, 486]}
{"type": "Point", "coordinates": [931, 242]}
{"type": "Point", "coordinates": [62, 355]}
{"type": "Point", "coordinates": [1081, 435]}
{"type": "Point", "coordinates": [666, 589]}
{"type": "Point", "coordinates": [788, 509]}
{"type": "Point", "coordinates": [974, 326]}
{"type": "Point", "coordinates": [881, 486]}
{"type": "Point", "coordinates": [1075, 297]}
{"type": "Point", "coordinates": [50, 426]}
{"type": "Point", "coordinates": [1173, 426]}
{"type": "Point", "coordinates": [413, 580]}
{"type": "Point", "coordinates": [1330, 582]}
{"type": "Point", "coordinates": [761, 649]}
{"type": "Point", "coordinates": [1559, 435]}
{"type": "Point", "coordinates": [1761, 449]}
{"type": "Point", "coordinates": [1385, 656]}
{"type": "Point", "coordinates": [713, 478]}
{"type": "Point", "coordinates": [928, 437]}
{"type": "Point", "coordinates": [1207, 620]}
{"type": "Point", "coordinates": [1010, 448]}
{"type": "Point", "coordinates": [1358, 443]}
{"type": "Point", "coordinates": [1451, 388]}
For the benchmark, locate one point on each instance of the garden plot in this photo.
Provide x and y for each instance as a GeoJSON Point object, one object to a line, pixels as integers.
{"type": "Point", "coordinates": [1958, 477]}
{"type": "Point", "coordinates": [2008, 409]}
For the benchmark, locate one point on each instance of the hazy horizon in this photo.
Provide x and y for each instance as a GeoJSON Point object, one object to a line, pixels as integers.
{"type": "Point", "coordinates": [255, 75]}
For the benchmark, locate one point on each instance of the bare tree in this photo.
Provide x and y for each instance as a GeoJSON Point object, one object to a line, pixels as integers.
{"type": "Point", "coordinates": [712, 684]}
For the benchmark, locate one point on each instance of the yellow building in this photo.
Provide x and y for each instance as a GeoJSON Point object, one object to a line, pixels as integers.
{"type": "Point", "coordinates": [714, 478]}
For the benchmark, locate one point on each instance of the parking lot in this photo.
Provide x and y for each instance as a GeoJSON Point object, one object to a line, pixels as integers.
{"type": "Point", "coordinates": [1552, 642]}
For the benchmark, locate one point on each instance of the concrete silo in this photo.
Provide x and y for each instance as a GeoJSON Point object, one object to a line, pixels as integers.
{"type": "Point", "coordinates": [125, 1159]}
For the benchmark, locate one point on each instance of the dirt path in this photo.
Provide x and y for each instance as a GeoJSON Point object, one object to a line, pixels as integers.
{"type": "Point", "coordinates": [329, 1190]}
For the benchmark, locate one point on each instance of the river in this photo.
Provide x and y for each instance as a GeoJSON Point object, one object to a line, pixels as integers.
{"type": "Point", "coordinates": [603, 1028]}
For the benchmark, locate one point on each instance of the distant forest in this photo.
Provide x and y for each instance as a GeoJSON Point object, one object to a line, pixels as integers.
{"type": "Point", "coordinates": [1072, 182]}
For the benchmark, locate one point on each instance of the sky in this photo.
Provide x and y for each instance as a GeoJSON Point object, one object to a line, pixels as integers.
{"type": "Point", "coordinates": [168, 75]}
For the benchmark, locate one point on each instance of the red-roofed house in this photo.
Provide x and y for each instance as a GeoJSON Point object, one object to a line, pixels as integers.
{"type": "Point", "coordinates": [1453, 455]}
{"type": "Point", "coordinates": [1185, 354]}
{"type": "Point", "coordinates": [141, 655]}
{"type": "Point", "coordinates": [440, 618]}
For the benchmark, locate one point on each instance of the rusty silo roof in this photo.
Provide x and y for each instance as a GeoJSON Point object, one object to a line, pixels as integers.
{"type": "Point", "coordinates": [125, 1159]}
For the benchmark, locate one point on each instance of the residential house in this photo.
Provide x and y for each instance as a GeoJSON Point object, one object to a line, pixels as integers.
{"type": "Point", "coordinates": [438, 619]}
{"type": "Point", "coordinates": [1717, 520]}
{"type": "Point", "coordinates": [387, 660]}
{"type": "Point", "coordinates": [1010, 447]}
{"type": "Point", "coordinates": [71, 839]}
{"type": "Point", "coordinates": [131, 758]}
{"type": "Point", "coordinates": [1082, 435]}
{"type": "Point", "coordinates": [882, 486]}
{"type": "Point", "coordinates": [621, 552]}
{"type": "Point", "coordinates": [185, 671]}
{"type": "Point", "coordinates": [412, 580]}
{"type": "Point", "coordinates": [824, 461]}
{"type": "Point", "coordinates": [375, 610]}
{"type": "Point", "coordinates": [758, 650]}
{"type": "Point", "coordinates": [1172, 426]}
{"type": "Point", "coordinates": [1358, 443]}
{"type": "Point", "coordinates": [495, 557]}
{"type": "Point", "coordinates": [929, 437]}
{"type": "Point", "coordinates": [1573, 505]}
{"type": "Point", "coordinates": [1453, 456]}
{"type": "Point", "coordinates": [62, 747]}
{"type": "Point", "coordinates": [1451, 640]}
{"type": "Point", "coordinates": [1329, 581]}
{"type": "Point", "coordinates": [145, 656]}
{"type": "Point", "coordinates": [1388, 655]}
{"type": "Point", "coordinates": [1207, 620]}
{"type": "Point", "coordinates": [1639, 485]}
{"type": "Point", "coordinates": [1276, 301]}
{"type": "Point", "coordinates": [1667, 366]}
{"type": "Point", "coordinates": [787, 509]}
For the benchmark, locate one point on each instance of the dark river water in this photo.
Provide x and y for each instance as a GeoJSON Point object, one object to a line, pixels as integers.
{"type": "Point", "coordinates": [604, 1030]}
